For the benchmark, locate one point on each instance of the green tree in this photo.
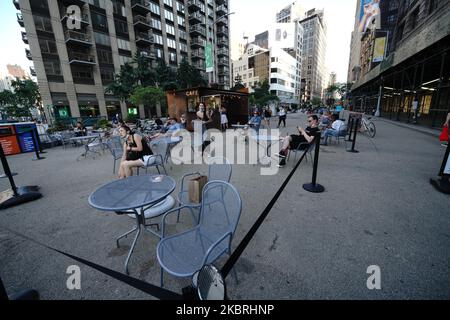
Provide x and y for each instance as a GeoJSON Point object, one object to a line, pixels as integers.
{"type": "Point", "coordinates": [189, 76]}
{"type": "Point", "coordinates": [8, 103]}
{"type": "Point", "coordinates": [150, 96]}
{"type": "Point", "coordinates": [165, 76]}
{"type": "Point", "coordinates": [261, 95]}
{"type": "Point", "coordinates": [124, 83]}
{"type": "Point", "coordinates": [316, 101]}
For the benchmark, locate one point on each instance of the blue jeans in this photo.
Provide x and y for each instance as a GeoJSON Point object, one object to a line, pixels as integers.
{"type": "Point", "coordinates": [330, 133]}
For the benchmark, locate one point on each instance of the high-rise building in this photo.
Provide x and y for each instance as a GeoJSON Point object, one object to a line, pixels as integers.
{"type": "Point", "coordinates": [290, 13]}
{"type": "Point", "coordinates": [409, 82]}
{"type": "Point", "coordinates": [16, 71]}
{"type": "Point", "coordinates": [314, 75]}
{"type": "Point", "coordinates": [76, 59]}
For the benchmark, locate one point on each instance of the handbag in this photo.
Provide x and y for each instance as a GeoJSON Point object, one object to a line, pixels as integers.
{"type": "Point", "coordinates": [444, 134]}
{"type": "Point", "coordinates": [195, 188]}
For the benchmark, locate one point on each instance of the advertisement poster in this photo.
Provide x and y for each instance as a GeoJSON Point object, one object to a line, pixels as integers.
{"type": "Point", "coordinates": [209, 58]}
{"type": "Point", "coordinates": [378, 52]}
{"type": "Point", "coordinates": [282, 35]}
{"type": "Point", "coordinates": [370, 10]}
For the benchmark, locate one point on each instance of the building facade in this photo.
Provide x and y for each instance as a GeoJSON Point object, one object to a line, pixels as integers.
{"type": "Point", "coordinates": [313, 73]}
{"type": "Point", "coordinates": [76, 59]}
{"type": "Point", "coordinates": [415, 69]}
{"type": "Point", "coordinates": [290, 13]}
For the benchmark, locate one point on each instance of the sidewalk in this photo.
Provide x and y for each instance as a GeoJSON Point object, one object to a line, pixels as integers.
{"type": "Point", "coordinates": [416, 127]}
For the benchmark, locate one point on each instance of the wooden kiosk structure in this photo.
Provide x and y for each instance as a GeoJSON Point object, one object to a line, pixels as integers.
{"type": "Point", "coordinates": [187, 102]}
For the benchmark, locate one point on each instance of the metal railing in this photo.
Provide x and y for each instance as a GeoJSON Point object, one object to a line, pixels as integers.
{"type": "Point", "coordinates": [75, 35]}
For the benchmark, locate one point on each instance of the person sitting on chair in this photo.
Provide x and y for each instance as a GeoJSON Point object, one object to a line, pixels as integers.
{"type": "Point", "coordinates": [335, 130]}
{"type": "Point", "coordinates": [255, 121]}
{"type": "Point", "coordinates": [80, 130]}
{"type": "Point", "coordinates": [136, 154]}
{"type": "Point", "coordinates": [305, 136]}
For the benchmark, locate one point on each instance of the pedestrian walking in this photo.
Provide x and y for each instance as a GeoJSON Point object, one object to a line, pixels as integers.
{"type": "Point", "coordinates": [267, 116]}
{"type": "Point", "coordinates": [282, 117]}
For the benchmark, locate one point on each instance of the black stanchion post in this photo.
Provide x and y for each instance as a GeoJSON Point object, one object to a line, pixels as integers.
{"type": "Point", "coordinates": [314, 186]}
{"type": "Point", "coordinates": [351, 124]}
{"type": "Point", "coordinates": [38, 157]}
{"type": "Point", "coordinates": [7, 171]}
{"type": "Point", "coordinates": [355, 132]}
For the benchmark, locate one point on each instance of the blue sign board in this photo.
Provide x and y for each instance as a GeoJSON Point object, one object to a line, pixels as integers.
{"type": "Point", "coordinates": [25, 139]}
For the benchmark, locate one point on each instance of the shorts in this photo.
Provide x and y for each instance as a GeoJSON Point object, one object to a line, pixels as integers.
{"type": "Point", "coordinates": [296, 141]}
{"type": "Point", "coordinates": [151, 160]}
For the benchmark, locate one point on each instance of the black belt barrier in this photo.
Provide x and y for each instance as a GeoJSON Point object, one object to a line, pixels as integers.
{"type": "Point", "coordinates": [248, 237]}
{"type": "Point", "coordinates": [160, 293]}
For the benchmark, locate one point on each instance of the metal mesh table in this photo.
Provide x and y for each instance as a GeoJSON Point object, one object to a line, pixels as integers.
{"type": "Point", "coordinates": [130, 195]}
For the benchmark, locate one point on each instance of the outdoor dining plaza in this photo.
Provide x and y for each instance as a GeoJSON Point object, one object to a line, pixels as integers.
{"type": "Point", "coordinates": [225, 212]}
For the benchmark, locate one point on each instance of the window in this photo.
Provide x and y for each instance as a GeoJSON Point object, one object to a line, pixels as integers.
{"type": "Point", "coordinates": [158, 39]}
{"type": "Point", "coordinates": [181, 21]}
{"type": "Point", "coordinates": [182, 34]}
{"type": "Point", "coordinates": [433, 6]}
{"type": "Point", "coordinates": [156, 24]}
{"type": "Point", "coordinates": [154, 8]}
{"type": "Point", "coordinates": [107, 75]}
{"type": "Point", "coordinates": [168, 2]}
{"type": "Point", "coordinates": [123, 44]}
{"type": "Point", "coordinates": [105, 56]}
{"type": "Point", "coordinates": [81, 73]}
{"type": "Point", "coordinates": [43, 23]}
{"type": "Point", "coordinates": [414, 18]}
{"type": "Point", "coordinates": [159, 53]}
{"type": "Point", "coordinates": [393, 5]}
{"type": "Point", "coordinates": [172, 57]}
{"type": "Point", "coordinates": [118, 8]}
{"type": "Point", "coordinates": [168, 15]}
{"type": "Point", "coordinates": [98, 3]}
{"type": "Point", "coordinates": [183, 47]}
{"type": "Point", "coordinates": [171, 43]}
{"type": "Point", "coordinates": [124, 59]}
{"type": "Point", "coordinates": [102, 39]}
{"type": "Point", "coordinates": [99, 21]}
{"type": "Point", "coordinates": [180, 7]}
{"type": "Point", "coordinates": [48, 46]}
{"type": "Point", "coordinates": [170, 29]}
{"type": "Point", "coordinates": [52, 67]}
{"type": "Point", "coordinates": [273, 80]}
{"type": "Point", "coordinates": [121, 27]}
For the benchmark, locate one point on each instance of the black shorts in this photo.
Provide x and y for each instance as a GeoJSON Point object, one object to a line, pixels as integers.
{"type": "Point", "coordinates": [296, 141]}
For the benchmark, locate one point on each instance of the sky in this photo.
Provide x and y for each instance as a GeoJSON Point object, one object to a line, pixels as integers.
{"type": "Point", "coordinates": [12, 50]}
{"type": "Point", "coordinates": [254, 16]}
{"type": "Point", "coordinates": [251, 17]}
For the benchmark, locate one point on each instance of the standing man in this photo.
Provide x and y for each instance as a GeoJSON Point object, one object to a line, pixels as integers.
{"type": "Point", "coordinates": [282, 117]}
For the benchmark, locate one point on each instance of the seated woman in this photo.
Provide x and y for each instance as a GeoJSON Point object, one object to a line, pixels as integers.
{"type": "Point", "coordinates": [293, 141]}
{"type": "Point", "coordinates": [136, 153]}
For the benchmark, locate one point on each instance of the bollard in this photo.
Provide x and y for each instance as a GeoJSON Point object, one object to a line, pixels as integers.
{"type": "Point", "coordinates": [314, 186]}
{"type": "Point", "coordinates": [355, 132]}
{"type": "Point", "coordinates": [38, 157]}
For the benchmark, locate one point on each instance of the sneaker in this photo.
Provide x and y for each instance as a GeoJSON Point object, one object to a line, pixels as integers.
{"type": "Point", "coordinates": [279, 155]}
{"type": "Point", "coordinates": [444, 144]}
{"type": "Point", "coordinates": [281, 165]}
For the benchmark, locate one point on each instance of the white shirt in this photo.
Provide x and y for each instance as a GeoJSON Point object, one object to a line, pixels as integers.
{"type": "Point", "coordinates": [337, 125]}
{"type": "Point", "coordinates": [282, 112]}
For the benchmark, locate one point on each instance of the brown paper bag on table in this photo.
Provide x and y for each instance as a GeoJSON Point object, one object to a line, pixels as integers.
{"type": "Point", "coordinates": [195, 188]}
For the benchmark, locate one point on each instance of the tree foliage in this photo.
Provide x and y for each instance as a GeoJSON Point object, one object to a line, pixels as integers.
{"type": "Point", "coordinates": [261, 95]}
{"type": "Point", "coordinates": [189, 76]}
{"type": "Point", "coordinates": [147, 96]}
{"type": "Point", "coordinates": [18, 103]}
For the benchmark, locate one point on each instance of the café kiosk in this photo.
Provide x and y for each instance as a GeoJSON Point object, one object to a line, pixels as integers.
{"type": "Point", "coordinates": [187, 101]}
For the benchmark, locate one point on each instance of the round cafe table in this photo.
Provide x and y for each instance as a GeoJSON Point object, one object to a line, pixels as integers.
{"type": "Point", "coordinates": [132, 195]}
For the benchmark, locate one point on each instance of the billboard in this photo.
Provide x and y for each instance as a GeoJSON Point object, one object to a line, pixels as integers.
{"type": "Point", "coordinates": [282, 35]}
{"type": "Point", "coordinates": [378, 51]}
{"type": "Point", "coordinates": [370, 11]}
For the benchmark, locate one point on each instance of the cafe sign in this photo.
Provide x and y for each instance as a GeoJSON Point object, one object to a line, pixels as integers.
{"type": "Point", "coordinates": [192, 93]}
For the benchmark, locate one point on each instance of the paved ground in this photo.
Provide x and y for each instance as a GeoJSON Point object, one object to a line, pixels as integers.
{"type": "Point", "coordinates": [378, 209]}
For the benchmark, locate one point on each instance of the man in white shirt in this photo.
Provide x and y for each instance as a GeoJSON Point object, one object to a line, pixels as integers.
{"type": "Point", "coordinates": [282, 117]}
{"type": "Point", "coordinates": [337, 127]}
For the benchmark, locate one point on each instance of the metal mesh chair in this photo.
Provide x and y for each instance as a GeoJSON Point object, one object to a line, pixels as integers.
{"type": "Point", "coordinates": [183, 254]}
{"type": "Point", "coordinates": [300, 149]}
{"type": "Point", "coordinates": [159, 149]}
{"type": "Point", "coordinates": [115, 146]}
{"type": "Point", "coordinates": [219, 169]}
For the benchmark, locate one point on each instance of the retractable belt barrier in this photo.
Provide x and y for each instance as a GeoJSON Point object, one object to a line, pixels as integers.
{"type": "Point", "coordinates": [164, 294]}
